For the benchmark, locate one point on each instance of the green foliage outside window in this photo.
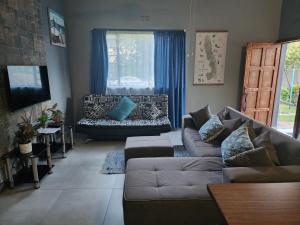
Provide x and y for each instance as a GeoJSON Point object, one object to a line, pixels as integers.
{"type": "Point", "coordinates": [292, 59]}
{"type": "Point", "coordinates": [285, 94]}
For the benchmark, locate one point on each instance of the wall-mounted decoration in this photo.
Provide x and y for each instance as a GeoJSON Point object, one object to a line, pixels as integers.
{"type": "Point", "coordinates": [57, 28]}
{"type": "Point", "coordinates": [210, 57]}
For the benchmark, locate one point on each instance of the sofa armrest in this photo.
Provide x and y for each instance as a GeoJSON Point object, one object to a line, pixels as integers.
{"type": "Point", "coordinates": [187, 122]}
{"type": "Point", "coordinates": [261, 174]}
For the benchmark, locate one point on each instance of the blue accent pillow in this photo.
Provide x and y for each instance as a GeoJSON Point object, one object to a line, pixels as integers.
{"type": "Point", "coordinates": [237, 142]}
{"type": "Point", "coordinates": [123, 109]}
{"type": "Point", "coordinates": [211, 129]}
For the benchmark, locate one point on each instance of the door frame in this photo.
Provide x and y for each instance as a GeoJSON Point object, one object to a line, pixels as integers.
{"type": "Point", "coordinates": [284, 43]}
{"type": "Point", "coordinates": [279, 83]}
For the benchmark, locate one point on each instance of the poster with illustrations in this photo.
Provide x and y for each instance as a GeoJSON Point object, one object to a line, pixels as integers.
{"type": "Point", "coordinates": [210, 55]}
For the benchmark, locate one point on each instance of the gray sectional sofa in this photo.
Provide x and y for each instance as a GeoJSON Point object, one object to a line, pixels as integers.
{"type": "Point", "coordinates": [173, 191]}
{"type": "Point", "coordinates": [288, 148]}
{"type": "Point", "coordinates": [97, 125]}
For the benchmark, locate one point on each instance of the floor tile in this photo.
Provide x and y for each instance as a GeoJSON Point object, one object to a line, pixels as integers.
{"type": "Point", "coordinates": [26, 206]}
{"type": "Point", "coordinates": [86, 177]}
{"type": "Point", "coordinates": [77, 206]}
{"type": "Point", "coordinates": [61, 176]}
{"type": "Point", "coordinates": [114, 215]}
{"type": "Point", "coordinates": [119, 181]}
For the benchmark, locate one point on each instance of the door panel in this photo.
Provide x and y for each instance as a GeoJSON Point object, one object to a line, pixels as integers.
{"type": "Point", "coordinates": [267, 78]}
{"type": "Point", "coordinates": [270, 57]}
{"type": "Point", "coordinates": [264, 99]}
{"type": "Point", "coordinates": [260, 79]}
{"type": "Point", "coordinates": [253, 79]}
{"type": "Point", "coordinates": [256, 57]}
{"type": "Point", "coordinates": [250, 114]}
{"type": "Point", "coordinates": [251, 99]}
{"type": "Point", "coordinates": [262, 116]}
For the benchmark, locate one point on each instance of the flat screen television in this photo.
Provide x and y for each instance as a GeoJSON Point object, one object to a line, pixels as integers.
{"type": "Point", "coordinates": [27, 85]}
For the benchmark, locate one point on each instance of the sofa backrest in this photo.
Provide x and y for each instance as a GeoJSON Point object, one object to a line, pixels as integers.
{"type": "Point", "coordinates": [288, 148]}
{"type": "Point", "coordinates": [97, 106]}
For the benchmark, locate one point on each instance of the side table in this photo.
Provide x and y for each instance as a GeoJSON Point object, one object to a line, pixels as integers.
{"type": "Point", "coordinates": [64, 145]}
{"type": "Point", "coordinates": [27, 174]}
{"type": "Point", "coordinates": [48, 132]}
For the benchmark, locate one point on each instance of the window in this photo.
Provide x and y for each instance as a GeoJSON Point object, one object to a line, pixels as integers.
{"type": "Point", "coordinates": [130, 59]}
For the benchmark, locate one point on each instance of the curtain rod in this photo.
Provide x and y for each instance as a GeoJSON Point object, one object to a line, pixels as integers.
{"type": "Point", "coordinates": [109, 29]}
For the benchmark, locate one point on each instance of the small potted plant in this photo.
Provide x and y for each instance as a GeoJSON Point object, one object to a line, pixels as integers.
{"type": "Point", "coordinates": [25, 134]}
{"type": "Point", "coordinates": [56, 114]}
{"type": "Point", "coordinates": [43, 118]}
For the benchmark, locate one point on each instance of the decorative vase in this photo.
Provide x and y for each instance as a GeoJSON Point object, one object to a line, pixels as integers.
{"type": "Point", "coordinates": [25, 148]}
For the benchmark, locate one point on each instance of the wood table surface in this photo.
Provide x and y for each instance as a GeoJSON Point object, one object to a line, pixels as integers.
{"type": "Point", "coordinates": [258, 204]}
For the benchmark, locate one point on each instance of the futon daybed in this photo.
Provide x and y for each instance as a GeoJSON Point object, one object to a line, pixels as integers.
{"type": "Point", "coordinates": [96, 123]}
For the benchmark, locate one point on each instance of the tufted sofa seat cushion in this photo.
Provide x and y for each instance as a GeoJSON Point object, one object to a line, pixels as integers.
{"type": "Point", "coordinates": [170, 190]}
{"type": "Point", "coordinates": [194, 144]}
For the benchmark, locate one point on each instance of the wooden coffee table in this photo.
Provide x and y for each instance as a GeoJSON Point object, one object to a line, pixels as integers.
{"type": "Point", "coordinates": [258, 204]}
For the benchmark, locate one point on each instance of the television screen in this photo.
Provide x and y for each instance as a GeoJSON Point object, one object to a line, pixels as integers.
{"type": "Point", "coordinates": [28, 85]}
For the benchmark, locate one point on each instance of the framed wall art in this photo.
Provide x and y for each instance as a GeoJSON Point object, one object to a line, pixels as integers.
{"type": "Point", "coordinates": [210, 55]}
{"type": "Point", "coordinates": [57, 28]}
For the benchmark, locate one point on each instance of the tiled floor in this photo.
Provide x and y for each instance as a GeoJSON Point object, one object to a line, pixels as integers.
{"type": "Point", "coordinates": [75, 194]}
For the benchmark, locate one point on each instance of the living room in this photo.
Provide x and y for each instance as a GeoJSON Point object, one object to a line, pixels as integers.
{"type": "Point", "coordinates": [149, 112]}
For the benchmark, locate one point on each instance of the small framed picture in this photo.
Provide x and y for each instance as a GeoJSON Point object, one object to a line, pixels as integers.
{"type": "Point", "coordinates": [210, 55]}
{"type": "Point", "coordinates": [57, 28]}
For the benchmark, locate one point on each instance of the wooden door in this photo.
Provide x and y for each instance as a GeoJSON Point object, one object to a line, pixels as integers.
{"type": "Point", "coordinates": [260, 80]}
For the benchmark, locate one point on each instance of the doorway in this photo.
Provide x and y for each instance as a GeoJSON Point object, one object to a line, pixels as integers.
{"type": "Point", "coordinates": [288, 87]}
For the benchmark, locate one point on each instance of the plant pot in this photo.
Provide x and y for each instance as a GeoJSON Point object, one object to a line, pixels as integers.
{"type": "Point", "coordinates": [56, 120]}
{"type": "Point", "coordinates": [25, 148]}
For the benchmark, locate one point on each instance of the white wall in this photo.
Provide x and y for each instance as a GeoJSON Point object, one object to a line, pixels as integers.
{"type": "Point", "coordinates": [246, 21]}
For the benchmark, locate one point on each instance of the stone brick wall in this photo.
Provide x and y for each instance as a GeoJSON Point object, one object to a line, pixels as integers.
{"type": "Point", "coordinates": [21, 43]}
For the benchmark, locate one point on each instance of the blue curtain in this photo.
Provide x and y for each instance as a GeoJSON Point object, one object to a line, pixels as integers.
{"type": "Point", "coordinates": [99, 66]}
{"type": "Point", "coordinates": [169, 70]}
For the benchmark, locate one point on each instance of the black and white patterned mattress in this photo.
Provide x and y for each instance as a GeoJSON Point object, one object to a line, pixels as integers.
{"type": "Point", "coordinates": [163, 121]}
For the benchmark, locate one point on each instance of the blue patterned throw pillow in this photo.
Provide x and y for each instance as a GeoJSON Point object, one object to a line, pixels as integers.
{"type": "Point", "coordinates": [123, 109]}
{"type": "Point", "coordinates": [237, 142]}
{"type": "Point", "coordinates": [211, 129]}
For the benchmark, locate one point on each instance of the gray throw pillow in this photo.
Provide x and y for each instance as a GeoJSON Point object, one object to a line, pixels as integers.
{"type": "Point", "coordinates": [237, 142]}
{"type": "Point", "coordinates": [211, 129]}
{"type": "Point", "coordinates": [251, 131]}
{"type": "Point", "coordinates": [223, 114]}
{"type": "Point", "coordinates": [254, 157]}
{"type": "Point", "coordinates": [229, 127]}
{"type": "Point", "coordinates": [264, 140]}
{"type": "Point", "coordinates": [201, 116]}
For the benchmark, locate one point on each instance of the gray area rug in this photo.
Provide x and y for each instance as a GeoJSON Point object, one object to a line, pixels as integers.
{"type": "Point", "coordinates": [115, 162]}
